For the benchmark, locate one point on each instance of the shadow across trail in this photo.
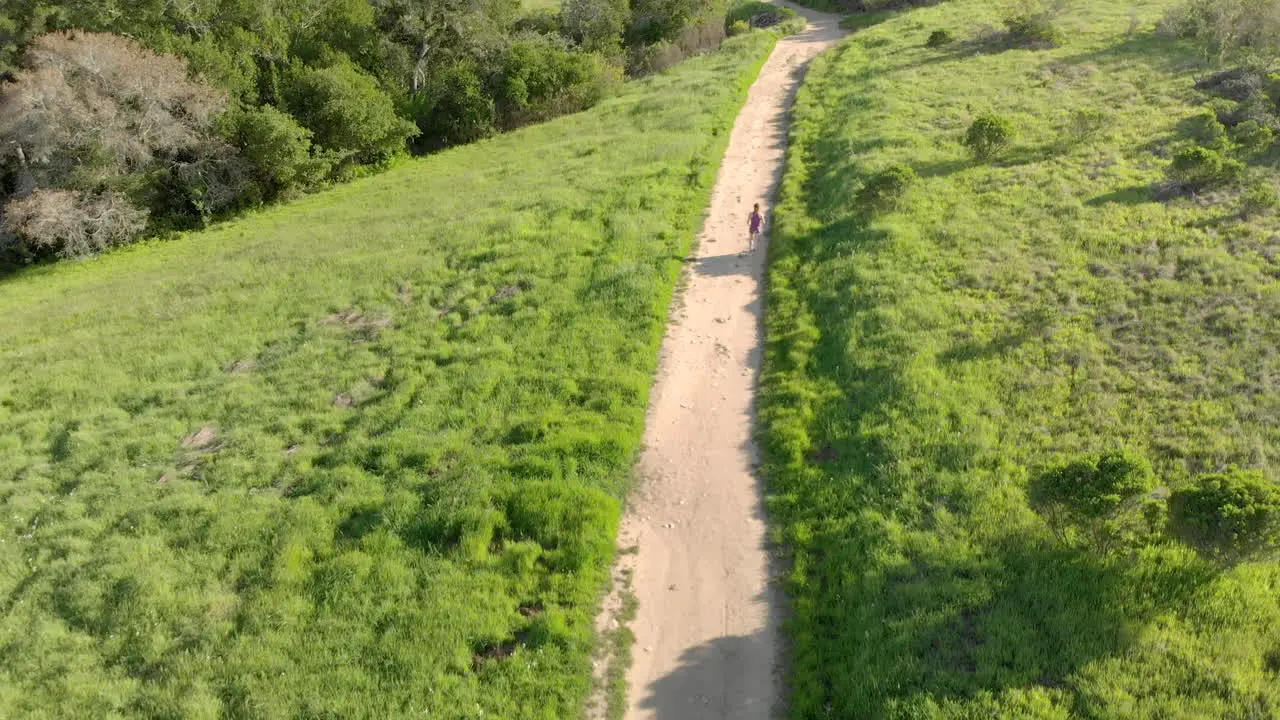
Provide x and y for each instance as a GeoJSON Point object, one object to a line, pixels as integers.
{"type": "Point", "coordinates": [698, 688]}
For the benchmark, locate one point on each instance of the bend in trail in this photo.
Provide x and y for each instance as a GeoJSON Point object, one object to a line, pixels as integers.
{"type": "Point", "coordinates": [707, 629]}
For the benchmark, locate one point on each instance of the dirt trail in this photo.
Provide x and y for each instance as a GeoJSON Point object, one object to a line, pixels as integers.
{"type": "Point", "coordinates": [707, 629]}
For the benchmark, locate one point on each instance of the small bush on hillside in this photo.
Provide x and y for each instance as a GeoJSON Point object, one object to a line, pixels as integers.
{"type": "Point", "coordinates": [654, 21]}
{"type": "Point", "coordinates": [1099, 495]}
{"type": "Point", "coordinates": [1259, 199]}
{"type": "Point", "coordinates": [539, 77]}
{"type": "Point", "coordinates": [790, 27]}
{"type": "Point", "coordinates": [278, 148]}
{"type": "Point", "coordinates": [1228, 28]}
{"type": "Point", "coordinates": [347, 113]}
{"type": "Point", "coordinates": [454, 109]}
{"type": "Point", "coordinates": [1088, 123]}
{"type": "Point", "coordinates": [939, 38]}
{"type": "Point", "coordinates": [1197, 168]}
{"type": "Point", "coordinates": [1252, 136]}
{"type": "Point", "coordinates": [1205, 129]}
{"type": "Point", "coordinates": [988, 136]}
{"type": "Point", "coordinates": [758, 14]}
{"type": "Point", "coordinates": [739, 27]}
{"type": "Point", "coordinates": [595, 25]}
{"type": "Point", "coordinates": [1233, 516]}
{"type": "Point", "coordinates": [1035, 22]}
{"type": "Point", "coordinates": [885, 190]}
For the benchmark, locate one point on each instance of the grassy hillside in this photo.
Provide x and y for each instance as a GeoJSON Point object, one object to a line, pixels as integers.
{"type": "Point", "coordinates": [359, 456]}
{"type": "Point", "coordinates": [926, 363]}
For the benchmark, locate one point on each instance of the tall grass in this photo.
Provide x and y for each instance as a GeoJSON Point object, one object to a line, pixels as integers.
{"type": "Point", "coordinates": [923, 364]}
{"type": "Point", "coordinates": [357, 456]}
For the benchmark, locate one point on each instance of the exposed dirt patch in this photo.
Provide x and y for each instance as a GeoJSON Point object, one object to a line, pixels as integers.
{"type": "Point", "coordinates": [241, 366]}
{"type": "Point", "coordinates": [491, 653]}
{"type": "Point", "coordinates": [203, 439]}
{"type": "Point", "coordinates": [404, 293]}
{"type": "Point", "coordinates": [506, 293]}
{"type": "Point", "coordinates": [826, 454]}
{"type": "Point", "coordinates": [364, 326]}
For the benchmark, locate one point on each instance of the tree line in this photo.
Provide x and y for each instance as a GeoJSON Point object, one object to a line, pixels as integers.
{"type": "Point", "coordinates": [120, 118]}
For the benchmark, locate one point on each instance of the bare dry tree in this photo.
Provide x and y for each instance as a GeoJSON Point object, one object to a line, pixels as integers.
{"type": "Point", "coordinates": [90, 109]}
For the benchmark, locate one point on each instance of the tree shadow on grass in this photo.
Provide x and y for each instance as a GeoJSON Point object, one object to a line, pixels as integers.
{"type": "Point", "coordinates": [1132, 195]}
{"type": "Point", "coordinates": [903, 596]}
{"type": "Point", "coordinates": [982, 350]}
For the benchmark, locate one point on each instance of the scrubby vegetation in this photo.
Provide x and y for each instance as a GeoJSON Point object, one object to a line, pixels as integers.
{"type": "Point", "coordinates": [359, 456]}
{"type": "Point", "coordinates": [988, 136]}
{"type": "Point", "coordinates": [159, 116]}
{"type": "Point", "coordinates": [1001, 417]}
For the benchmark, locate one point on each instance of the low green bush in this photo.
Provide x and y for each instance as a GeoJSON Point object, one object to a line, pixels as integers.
{"type": "Point", "coordinates": [1197, 168]}
{"type": "Point", "coordinates": [1248, 29]}
{"type": "Point", "coordinates": [1259, 199]}
{"type": "Point", "coordinates": [758, 14]}
{"type": "Point", "coordinates": [1098, 495]}
{"type": "Point", "coordinates": [886, 189]}
{"type": "Point", "coordinates": [939, 38]}
{"type": "Point", "coordinates": [454, 109]}
{"type": "Point", "coordinates": [348, 113]}
{"type": "Point", "coordinates": [1232, 517]}
{"type": "Point", "coordinates": [1252, 136]}
{"type": "Point", "coordinates": [739, 27]}
{"type": "Point", "coordinates": [278, 148]}
{"type": "Point", "coordinates": [1205, 129]}
{"type": "Point", "coordinates": [1035, 22]}
{"type": "Point", "coordinates": [1088, 123]}
{"type": "Point", "coordinates": [988, 136]}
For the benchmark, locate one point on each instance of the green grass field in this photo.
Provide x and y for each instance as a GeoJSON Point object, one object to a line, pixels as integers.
{"type": "Point", "coordinates": [924, 363]}
{"type": "Point", "coordinates": [552, 5]}
{"type": "Point", "coordinates": [360, 456]}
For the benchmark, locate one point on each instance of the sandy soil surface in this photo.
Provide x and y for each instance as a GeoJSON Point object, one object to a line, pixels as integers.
{"type": "Point", "coordinates": [707, 629]}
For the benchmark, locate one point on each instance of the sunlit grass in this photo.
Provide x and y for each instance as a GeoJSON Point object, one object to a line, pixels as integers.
{"type": "Point", "coordinates": [924, 363]}
{"type": "Point", "coordinates": [357, 456]}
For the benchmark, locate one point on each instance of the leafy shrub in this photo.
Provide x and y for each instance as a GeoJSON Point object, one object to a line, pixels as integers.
{"type": "Point", "coordinates": [939, 38]}
{"type": "Point", "coordinates": [758, 14]}
{"type": "Point", "coordinates": [1205, 129]}
{"type": "Point", "coordinates": [662, 55]}
{"type": "Point", "coordinates": [1232, 516]}
{"type": "Point", "coordinates": [1088, 123]}
{"type": "Point", "coordinates": [654, 21]}
{"type": "Point", "coordinates": [791, 26]}
{"type": "Point", "coordinates": [1228, 28]}
{"type": "Point", "coordinates": [1035, 22]}
{"type": "Point", "coordinates": [988, 136]}
{"type": "Point", "coordinates": [454, 108]}
{"type": "Point", "coordinates": [1252, 136]}
{"type": "Point", "coordinates": [73, 224]}
{"type": "Point", "coordinates": [1259, 199]}
{"type": "Point", "coordinates": [278, 148]}
{"type": "Point", "coordinates": [1197, 168]}
{"type": "Point", "coordinates": [539, 77]}
{"type": "Point", "coordinates": [1098, 495]}
{"type": "Point", "coordinates": [595, 25]}
{"type": "Point", "coordinates": [739, 27]}
{"type": "Point", "coordinates": [886, 189]}
{"type": "Point", "coordinates": [347, 113]}
{"type": "Point", "coordinates": [544, 21]}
